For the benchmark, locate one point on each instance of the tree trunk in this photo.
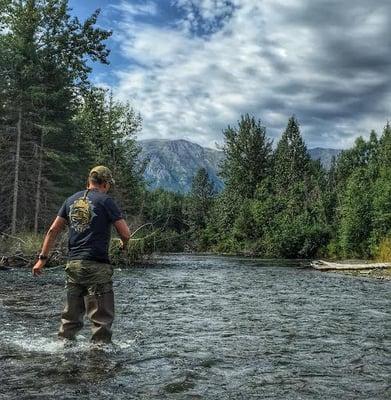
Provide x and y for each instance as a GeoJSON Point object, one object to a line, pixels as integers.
{"type": "Point", "coordinates": [39, 184]}
{"type": "Point", "coordinates": [16, 176]}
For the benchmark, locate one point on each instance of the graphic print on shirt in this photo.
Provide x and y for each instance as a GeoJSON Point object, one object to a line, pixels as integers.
{"type": "Point", "coordinates": [81, 213]}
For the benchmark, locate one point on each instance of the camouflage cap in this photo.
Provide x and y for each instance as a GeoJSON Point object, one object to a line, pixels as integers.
{"type": "Point", "coordinates": [103, 173]}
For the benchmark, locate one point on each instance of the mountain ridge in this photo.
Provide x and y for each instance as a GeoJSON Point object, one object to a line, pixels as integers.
{"type": "Point", "coordinates": [173, 163]}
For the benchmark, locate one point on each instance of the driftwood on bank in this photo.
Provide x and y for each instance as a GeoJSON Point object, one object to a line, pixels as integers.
{"type": "Point", "coordinates": [329, 266]}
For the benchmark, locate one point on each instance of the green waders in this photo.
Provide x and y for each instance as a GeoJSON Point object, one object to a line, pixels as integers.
{"type": "Point", "coordinates": [89, 291]}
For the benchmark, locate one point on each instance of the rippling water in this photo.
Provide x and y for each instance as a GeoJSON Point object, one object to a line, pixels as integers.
{"type": "Point", "coordinates": [202, 327]}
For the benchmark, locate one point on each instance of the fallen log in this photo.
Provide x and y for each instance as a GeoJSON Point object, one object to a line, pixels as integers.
{"type": "Point", "coordinates": [14, 261]}
{"type": "Point", "coordinates": [323, 265]}
{"type": "Point", "coordinates": [27, 260]}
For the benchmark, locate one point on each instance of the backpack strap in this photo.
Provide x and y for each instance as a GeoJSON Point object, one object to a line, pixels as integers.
{"type": "Point", "coordinates": [85, 194]}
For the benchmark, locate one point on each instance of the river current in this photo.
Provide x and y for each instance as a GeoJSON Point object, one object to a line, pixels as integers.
{"type": "Point", "coordinates": [203, 327]}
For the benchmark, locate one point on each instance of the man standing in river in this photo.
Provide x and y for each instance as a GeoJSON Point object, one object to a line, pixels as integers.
{"type": "Point", "coordinates": [89, 214]}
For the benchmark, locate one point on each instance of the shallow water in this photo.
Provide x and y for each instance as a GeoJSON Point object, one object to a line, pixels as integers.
{"type": "Point", "coordinates": [203, 327]}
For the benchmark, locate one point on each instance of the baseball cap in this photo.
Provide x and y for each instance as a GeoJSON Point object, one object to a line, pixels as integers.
{"type": "Point", "coordinates": [103, 173]}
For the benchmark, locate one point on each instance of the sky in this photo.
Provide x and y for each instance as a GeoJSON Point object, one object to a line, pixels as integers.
{"type": "Point", "coordinates": [193, 67]}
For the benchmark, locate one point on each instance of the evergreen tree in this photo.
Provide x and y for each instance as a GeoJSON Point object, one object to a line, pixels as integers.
{"type": "Point", "coordinates": [356, 215]}
{"type": "Point", "coordinates": [44, 67]}
{"type": "Point", "coordinates": [382, 192]}
{"type": "Point", "coordinates": [384, 153]}
{"type": "Point", "coordinates": [109, 129]}
{"type": "Point", "coordinates": [19, 88]}
{"type": "Point", "coordinates": [246, 165]}
{"type": "Point", "coordinates": [200, 200]}
{"type": "Point", "coordinates": [299, 226]}
{"type": "Point", "coordinates": [247, 153]}
{"type": "Point", "coordinates": [355, 173]}
{"type": "Point", "coordinates": [381, 221]}
{"type": "Point", "coordinates": [291, 161]}
{"type": "Point", "coordinates": [360, 155]}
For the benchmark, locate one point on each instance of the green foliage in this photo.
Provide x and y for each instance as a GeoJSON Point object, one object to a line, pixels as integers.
{"type": "Point", "coordinates": [247, 153]}
{"type": "Point", "coordinates": [45, 59]}
{"type": "Point", "coordinates": [277, 203]}
{"type": "Point", "coordinates": [243, 227]}
{"type": "Point", "coordinates": [165, 211]}
{"type": "Point", "coordinates": [291, 161]}
{"type": "Point", "coordinates": [108, 130]}
{"type": "Point", "coordinates": [284, 214]}
{"type": "Point", "coordinates": [135, 251]}
{"type": "Point", "coordinates": [383, 253]}
{"type": "Point", "coordinates": [26, 246]}
{"type": "Point", "coordinates": [356, 182]}
{"type": "Point", "coordinates": [198, 207]}
{"type": "Point", "coordinates": [381, 201]}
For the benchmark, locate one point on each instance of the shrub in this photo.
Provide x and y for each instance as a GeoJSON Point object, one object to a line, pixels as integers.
{"type": "Point", "coordinates": [384, 250]}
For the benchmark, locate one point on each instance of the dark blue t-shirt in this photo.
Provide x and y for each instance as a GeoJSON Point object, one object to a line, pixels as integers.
{"type": "Point", "coordinates": [90, 218]}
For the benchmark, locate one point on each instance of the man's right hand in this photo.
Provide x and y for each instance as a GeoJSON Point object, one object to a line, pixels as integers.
{"type": "Point", "coordinates": [123, 231]}
{"type": "Point", "coordinates": [37, 269]}
{"type": "Point", "coordinates": [122, 246]}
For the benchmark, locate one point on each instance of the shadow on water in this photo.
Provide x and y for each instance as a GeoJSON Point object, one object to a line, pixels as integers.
{"type": "Point", "coordinates": [202, 327]}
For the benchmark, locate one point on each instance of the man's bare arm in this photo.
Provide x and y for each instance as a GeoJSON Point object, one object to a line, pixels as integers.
{"type": "Point", "coordinates": [50, 238]}
{"type": "Point", "coordinates": [123, 231]}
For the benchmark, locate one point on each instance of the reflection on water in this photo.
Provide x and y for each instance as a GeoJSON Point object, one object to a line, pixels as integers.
{"type": "Point", "coordinates": [198, 327]}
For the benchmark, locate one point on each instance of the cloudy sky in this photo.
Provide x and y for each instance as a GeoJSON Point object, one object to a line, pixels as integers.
{"type": "Point", "coordinates": [191, 67]}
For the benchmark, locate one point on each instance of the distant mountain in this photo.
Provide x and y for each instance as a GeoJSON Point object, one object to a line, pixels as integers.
{"type": "Point", "coordinates": [173, 163]}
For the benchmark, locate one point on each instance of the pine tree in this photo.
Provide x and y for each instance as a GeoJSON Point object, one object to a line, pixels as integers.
{"type": "Point", "coordinates": [291, 162]}
{"type": "Point", "coordinates": [19, 88]}
{"type": "Point", "coordinates": [299, 225]}
{"type": "Point", "coordinates": [44, 66]}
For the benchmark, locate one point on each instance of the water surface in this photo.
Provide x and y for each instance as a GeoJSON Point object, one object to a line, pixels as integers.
{"type": "Point", "coordinates": [203, 327]}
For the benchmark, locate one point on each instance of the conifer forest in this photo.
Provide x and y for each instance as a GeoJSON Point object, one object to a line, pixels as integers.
{"type": "Point", "coordinates": [276, 203]}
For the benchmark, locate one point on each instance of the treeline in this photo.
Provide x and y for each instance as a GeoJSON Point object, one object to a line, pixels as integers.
{"type": "Point", "coordinates": [277, 202]}
{"type": "Point", "coordinates": [281, 203]}
{"type": "Point", "coordinates": [55, 125]}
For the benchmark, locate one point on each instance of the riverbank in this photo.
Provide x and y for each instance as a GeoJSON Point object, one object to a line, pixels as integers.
{"type": "Point", "coordinates": [20, 255]}
{"type": "Point", "coordinates": [366, 268]}
{"type": "Point", "coordinates": [376, 273]}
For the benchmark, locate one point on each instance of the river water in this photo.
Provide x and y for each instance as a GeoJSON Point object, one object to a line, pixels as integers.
{"type": "Point", "coordinates": [203, 327]}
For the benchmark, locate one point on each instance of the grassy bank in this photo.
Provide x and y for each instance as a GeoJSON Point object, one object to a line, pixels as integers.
{"type": "Point", "coordinates": [22, 250]}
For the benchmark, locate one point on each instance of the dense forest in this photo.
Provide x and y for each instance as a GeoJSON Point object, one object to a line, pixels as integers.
{"type": "Point", "coordinates": [277, 202]}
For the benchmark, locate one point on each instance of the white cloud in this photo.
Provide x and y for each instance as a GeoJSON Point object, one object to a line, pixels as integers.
{"type": "Point", "coordinates": [265, 58]}
{"type": "Point", "coordinates": [136, 9]}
